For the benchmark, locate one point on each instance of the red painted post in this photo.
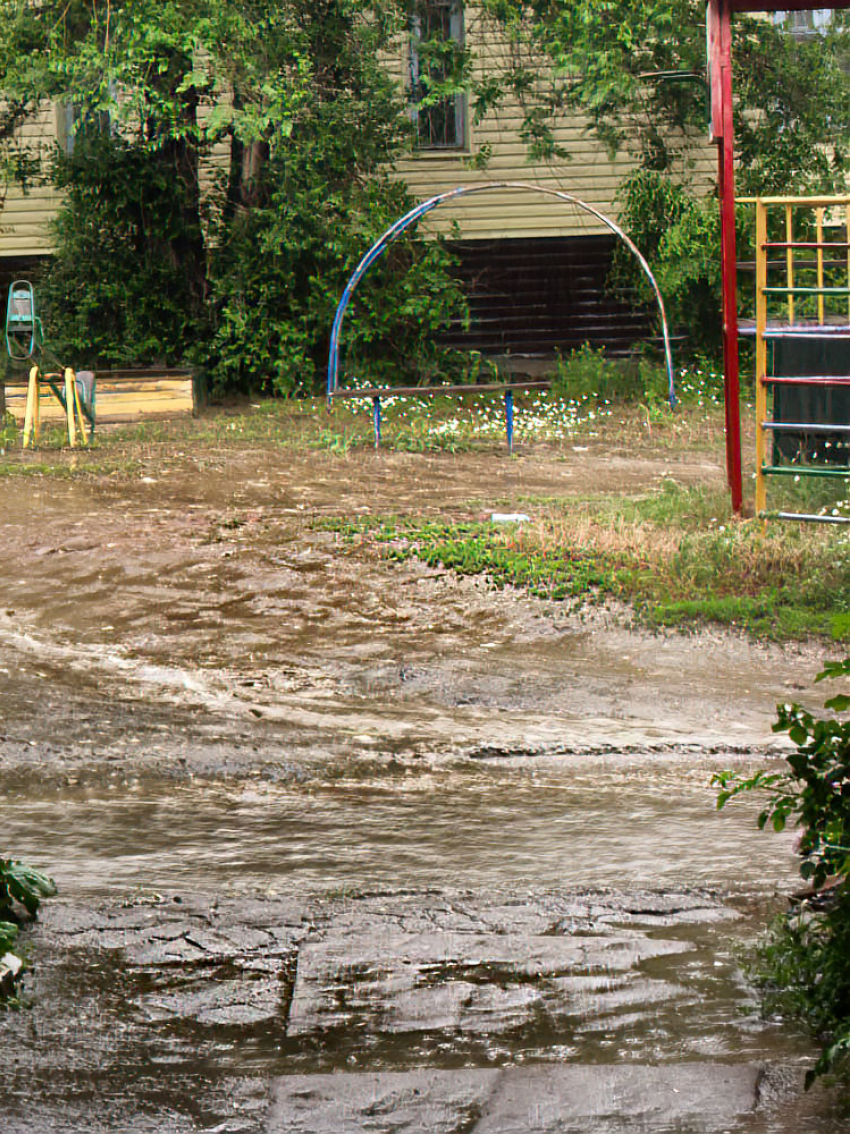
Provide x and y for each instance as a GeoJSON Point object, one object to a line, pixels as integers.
{"type": "Point", "coordinates": [729, 257]}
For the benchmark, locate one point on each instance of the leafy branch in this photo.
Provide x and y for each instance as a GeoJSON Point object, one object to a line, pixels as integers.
{"type": "Point", "coordinates": [806, 958]}
{"type": "Point", "coordinates": [21, 887]}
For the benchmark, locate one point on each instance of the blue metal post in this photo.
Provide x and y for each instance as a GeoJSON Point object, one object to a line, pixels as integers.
{"type": "Point", "coordinates": [376, 420]}
{"type": "Point", "coordinates": [509, 418]}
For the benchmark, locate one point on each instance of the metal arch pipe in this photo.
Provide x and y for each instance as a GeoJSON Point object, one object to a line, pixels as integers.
{"type": "Point", "coordinates": [415, 214]}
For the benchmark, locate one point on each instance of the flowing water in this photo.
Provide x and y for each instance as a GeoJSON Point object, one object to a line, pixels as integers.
{"type": "Point", "coordinates": [475, 827]}
{"type": "Point", "coordinates": [344, 846]}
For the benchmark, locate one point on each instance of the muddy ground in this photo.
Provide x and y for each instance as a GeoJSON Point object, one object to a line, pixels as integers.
{"type": "Point", "coordinates": [344, 844]}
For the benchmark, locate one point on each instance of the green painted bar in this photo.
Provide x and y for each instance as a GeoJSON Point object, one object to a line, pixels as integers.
{"type": "Point", "coordinates": [806, 290]}
{"type": "Point", "coordinates": [805, 470]}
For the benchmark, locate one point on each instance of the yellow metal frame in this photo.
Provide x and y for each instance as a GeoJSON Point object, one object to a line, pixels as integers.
{"type": "Point", "coordinates": [791, 288]}
{"type": "Point", "coordinates": [74, 415]}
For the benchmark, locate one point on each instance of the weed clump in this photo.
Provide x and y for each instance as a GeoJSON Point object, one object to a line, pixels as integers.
{"type": "Point", "coordinates": [21, 892]}
{"type": "Point", "coordinates": [671, 554]}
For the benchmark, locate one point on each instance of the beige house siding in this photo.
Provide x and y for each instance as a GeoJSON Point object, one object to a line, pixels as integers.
{"type": "Point", "coordinates": [25, 216]}
{"type": "Point", "coordinates": [590, 174]}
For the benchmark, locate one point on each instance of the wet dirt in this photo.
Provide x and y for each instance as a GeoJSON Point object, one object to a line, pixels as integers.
{"type": "Point", "coordinates": [346, 844]}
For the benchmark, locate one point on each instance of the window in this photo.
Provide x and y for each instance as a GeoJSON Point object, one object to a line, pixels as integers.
{"type": "Point", "coordinates": [808, 21]}
{"type": "Point", "coordinates": [66, 118]}
{"type": "Point", "coordinates": [72, 123]}
{"type": "Point", "coordinates": [436, 60]}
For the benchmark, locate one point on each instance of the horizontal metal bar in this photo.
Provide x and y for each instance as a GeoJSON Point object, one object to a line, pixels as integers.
{"type": "Point", "coordinates": [798, 330]}
{"type": "Point", "coordinates": [805, 517]}
{"type": "Point", "coordinates": [776, 330]}
{"type": "Point", "coordinates": [799, 265]}
{"type": "Point", "coordinates": [813, 202]}
{"type": "Point", "coordinates": [840, 331]}
{"type": "Point", "coordinates": [805, 380]}
{"type": "Point", "coordinates": [811, 244]}
{"type": "Point", "coordinates": [802, 427]}
{"type": "Point", "coordinates": [414, 391]}
{"type": "Point", "coordinates": [806, 290]}
{"type": "Point", "coordinates": [841, 471]}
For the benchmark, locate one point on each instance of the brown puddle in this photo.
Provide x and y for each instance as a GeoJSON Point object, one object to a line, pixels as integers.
{"type": "Point", "coordinates": [580, 824]}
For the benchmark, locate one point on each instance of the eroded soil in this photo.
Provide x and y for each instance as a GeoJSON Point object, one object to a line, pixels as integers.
{"type": "Point", "coordinates": [352, 845]}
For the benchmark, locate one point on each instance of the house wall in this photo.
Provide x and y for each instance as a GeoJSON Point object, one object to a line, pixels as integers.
{"type": "Point", "coordinates": [591, 173]}
{"type": "Point", "coordinates": [25, 216]}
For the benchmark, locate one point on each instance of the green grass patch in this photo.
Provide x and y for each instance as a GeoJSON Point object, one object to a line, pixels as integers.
{"type": "Point", "coordinates": [673, 554]}
{"type": "Point", "coordinates": [759, 617]}
{"type": "Point", "coordinates": [480, 549]}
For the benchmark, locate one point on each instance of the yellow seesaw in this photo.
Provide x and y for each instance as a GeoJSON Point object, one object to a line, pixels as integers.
{"type": "Point", "coordinates": [68, 396]}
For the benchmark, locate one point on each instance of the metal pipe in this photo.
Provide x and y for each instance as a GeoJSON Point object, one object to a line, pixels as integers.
{"type": "Point", "coordinates": [728, 253]}
{"type": "Point", "coordinates": [808, 518]}
{"type": "Point", "coordinates": [803, 427]}
{"type": "Point", "coordinates": [376, 420]}
{"type": "Point", "coordinates": [842, 472]}
{"type": "Point", "coordinates": [415, 214]}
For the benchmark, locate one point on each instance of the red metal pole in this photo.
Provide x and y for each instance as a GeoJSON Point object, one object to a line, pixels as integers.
{"type": "Point", "coordinates": [729, 261]}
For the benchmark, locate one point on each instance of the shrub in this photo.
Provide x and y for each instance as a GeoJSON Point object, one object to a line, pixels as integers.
{"type": "Point", "coordinates": [679, 234]}
{"type": "Point", "coordinates": [21, 887]}
{"type": "Point", "coordinates": [588, 373]}
{"type": "Point", "coordinates": [278, 276]}
{"type": "Point", "coordinates": [804, 964]}
{"type": "Point", "coordinates": [118, 290]}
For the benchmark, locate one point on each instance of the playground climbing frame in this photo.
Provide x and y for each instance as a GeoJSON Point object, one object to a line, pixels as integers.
{"type": "Point", "coordinates": [803, 302]}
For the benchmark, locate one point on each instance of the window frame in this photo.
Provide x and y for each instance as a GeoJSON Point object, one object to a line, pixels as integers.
{"type": "Point", "coordinates": [459, 135]}
{"type": "Point", "coordinates": [804, 21]}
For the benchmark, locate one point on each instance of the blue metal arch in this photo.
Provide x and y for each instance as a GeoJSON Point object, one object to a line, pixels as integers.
{"type": "Point", "coordinates": [415, 214]}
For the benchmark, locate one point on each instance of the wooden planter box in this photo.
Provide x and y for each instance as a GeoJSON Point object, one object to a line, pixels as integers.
{"type": "Point", "coordinates": [121, 396]}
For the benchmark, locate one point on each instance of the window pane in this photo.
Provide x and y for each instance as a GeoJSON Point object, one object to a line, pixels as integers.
{"type": "Point", "coordinates": [436, 34]}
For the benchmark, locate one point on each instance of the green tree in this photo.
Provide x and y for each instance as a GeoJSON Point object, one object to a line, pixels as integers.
{"type": "Point", "coordinates": [636, 71]}
{"type": "Point", "coordinates": [225, 168]}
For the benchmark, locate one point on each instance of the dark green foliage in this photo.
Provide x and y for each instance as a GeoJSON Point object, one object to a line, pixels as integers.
{"type": "Point", "coordinates": [23, 885]}
{"type": "Point", "coordinates": [318, 201]}
{"type": "Point", "coordinates": [804, 965]}
{"type": "Point", "coordinates": [802, 968]}
{"type": "Point", "coordinates": [815, 790]}
{"type": "Point", "coordinates": [637, 70]}
{"type": "Point", "coordinates": [8, 936]}
{"type": "Point", "coordinates": [799, 87]}
{"type": "Point", "coordinates": [226, 177]}
{"type": "Point", "coordinates": [115, 292]}
{"type": "Point", "coordinates": [278, 276]}
{"type": "Point", "coordinates": [679, 233]}
{"type": "Point", "coordinates": [21, 888]}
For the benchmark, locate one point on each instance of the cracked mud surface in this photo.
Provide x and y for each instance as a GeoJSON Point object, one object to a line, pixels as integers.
{"type": "Point", "coordinates": [347, 845]}
{"type": "Point", "coordinates": [416, 1011]}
